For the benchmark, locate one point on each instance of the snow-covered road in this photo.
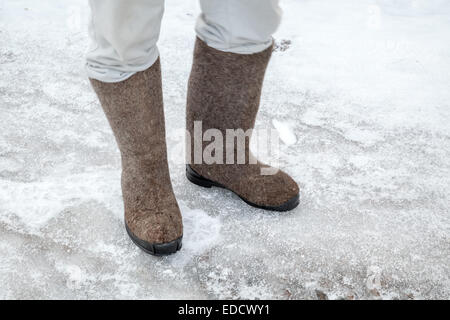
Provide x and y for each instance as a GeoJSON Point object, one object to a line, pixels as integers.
{"type": "Point", "coordinates": [359, 91]}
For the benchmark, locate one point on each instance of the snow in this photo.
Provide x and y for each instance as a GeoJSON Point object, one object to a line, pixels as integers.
{"type": "Point", "coordinates": [358, 91]}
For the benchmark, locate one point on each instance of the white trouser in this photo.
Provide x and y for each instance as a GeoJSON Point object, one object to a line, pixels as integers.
{"type": "Point", "coordinates": [125, 32]}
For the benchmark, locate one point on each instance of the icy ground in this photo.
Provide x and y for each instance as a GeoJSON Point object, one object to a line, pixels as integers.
{"type": "Point", "coordinates": [360, 93]}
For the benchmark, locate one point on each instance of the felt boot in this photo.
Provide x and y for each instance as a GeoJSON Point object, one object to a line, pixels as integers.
{"type": "Point", "coordinates": [224, 93]}
{"type": "Point", "coordinates": [134, 109]}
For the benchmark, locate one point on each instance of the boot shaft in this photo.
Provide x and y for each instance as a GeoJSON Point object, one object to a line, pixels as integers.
{"type": "Point", "coordinates": [134, 109]}
{"type": "Point", "coordinates": [224, 92]}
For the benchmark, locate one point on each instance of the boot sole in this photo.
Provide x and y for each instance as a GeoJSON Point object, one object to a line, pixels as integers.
{"type": "Point", "coordinates": [156, 249]}
{"type": "Point", "coordinates": [197, 179]}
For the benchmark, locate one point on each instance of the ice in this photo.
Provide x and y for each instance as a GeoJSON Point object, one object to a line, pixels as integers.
{"type": "Point", "coordinates": [358, 91]}
{"type": "Point", "coordinates": [285, 131]}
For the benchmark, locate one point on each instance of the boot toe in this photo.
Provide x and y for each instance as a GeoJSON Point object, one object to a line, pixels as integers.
{"type": "Point", "coordinates": [274, 192]}
{"type": "Point", "coordinates": [156, 233]}
{"type": "Point", "coordinates": [156, 249]}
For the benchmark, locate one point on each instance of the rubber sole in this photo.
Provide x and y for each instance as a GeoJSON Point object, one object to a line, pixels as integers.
{"type": "Point", "coordinates": [197, 179]}
{"type": "Point", "coordinates": [156, 249]}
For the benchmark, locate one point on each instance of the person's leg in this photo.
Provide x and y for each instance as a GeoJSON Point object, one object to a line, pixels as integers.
{"type": "Point", "coordinates": [238, 26]}
{"type": "Point", "coordinates": [231, 54]}
{"type": "Point", "coordinates": [127, 81]}
{"type": "Point", "coordinates": [124, 36]}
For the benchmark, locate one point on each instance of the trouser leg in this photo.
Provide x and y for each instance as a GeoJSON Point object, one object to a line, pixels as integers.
{"type": "Point", "coordinates": [238, 26]}
{"type": "Point", "coordinates": [124, 34]}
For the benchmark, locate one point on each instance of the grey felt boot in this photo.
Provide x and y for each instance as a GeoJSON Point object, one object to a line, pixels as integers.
{"type": "Point", "coordinates": [134, 109]}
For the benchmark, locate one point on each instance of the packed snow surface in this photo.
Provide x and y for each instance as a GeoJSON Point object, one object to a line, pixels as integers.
{"type": "Point", "coordinates": [359, 91]}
